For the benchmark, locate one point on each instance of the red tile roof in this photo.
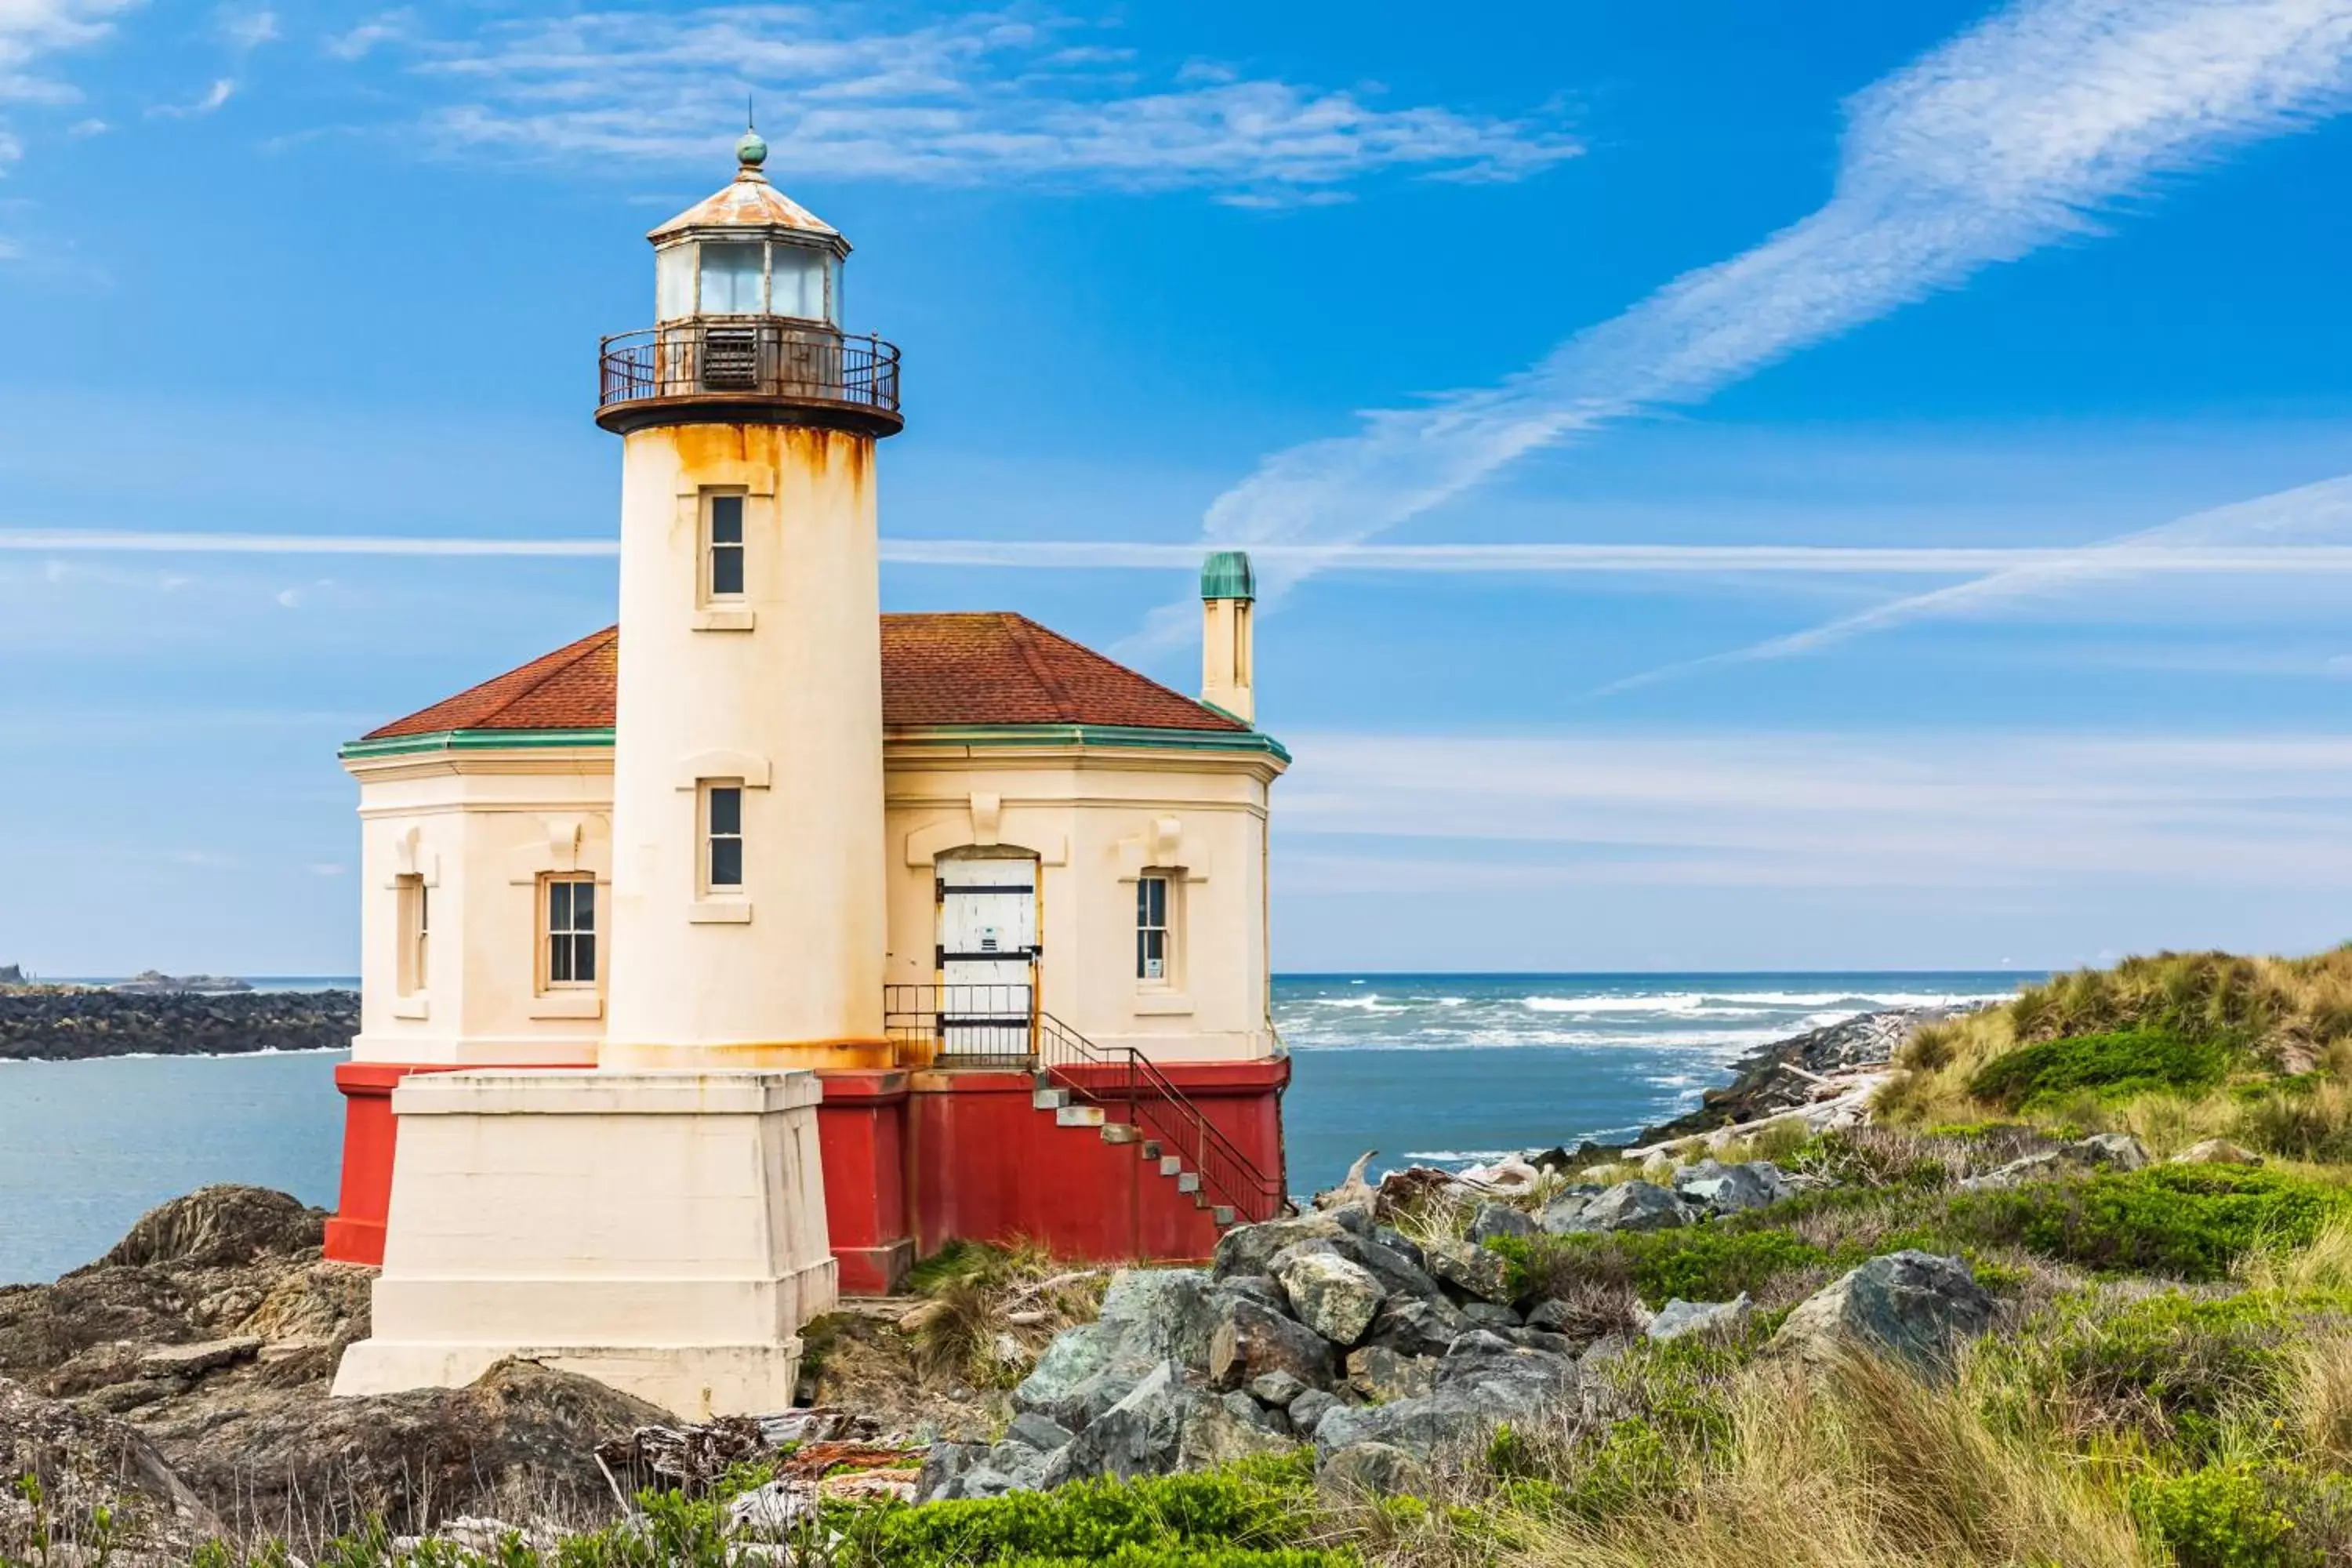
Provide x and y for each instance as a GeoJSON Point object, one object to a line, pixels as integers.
{"type": "Point", "coordinates": [981, 668]}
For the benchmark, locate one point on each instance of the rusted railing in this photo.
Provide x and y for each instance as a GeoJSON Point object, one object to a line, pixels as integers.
{"type": "Point", "coordinates": [965, 1025]}
{"type": "Point", "coordinates": [1002, 1027]}
{"type": "Point", "coordinates": [750, 357]}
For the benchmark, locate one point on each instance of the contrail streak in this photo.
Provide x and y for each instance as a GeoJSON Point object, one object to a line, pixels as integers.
{"type": "Point", "coordinates": [2011, 137]}
{"type": "Point", "coordinates": [2121, 558]}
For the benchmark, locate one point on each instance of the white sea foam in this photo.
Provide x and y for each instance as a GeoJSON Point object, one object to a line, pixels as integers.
{"type": "Point", "coordinates": [1604, 1004]}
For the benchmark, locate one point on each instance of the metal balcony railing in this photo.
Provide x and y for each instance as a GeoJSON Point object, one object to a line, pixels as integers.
{"type": "Point", "coordinates": [1001, 1026]}
{"type": "Point", "coordinates": [752, 359]}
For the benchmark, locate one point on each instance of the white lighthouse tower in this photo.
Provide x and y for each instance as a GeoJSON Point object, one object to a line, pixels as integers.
{"type": "Point", "coordinates": [660, 1222]}
{"type": "Point", "coordinates": [749, 904]}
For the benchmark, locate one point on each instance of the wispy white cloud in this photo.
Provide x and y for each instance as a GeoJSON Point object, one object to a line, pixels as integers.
{"type": "Point", "coordinates": [2011, 137]}
{"type": "Point", "coordinates": [247, 28]}
{"type": "Point", "coordinates": [2290, 520]}
{"type": "Point", "coordinates": [31, 31]}
{"type": "Point", "coordinates": [993, 95]}
{"type": "Point", "coordinates": [222, 90]}
{"type": "Point", "coordinates": [358, 42]}
{"type": "Point", "coordinates": [1919, 812]}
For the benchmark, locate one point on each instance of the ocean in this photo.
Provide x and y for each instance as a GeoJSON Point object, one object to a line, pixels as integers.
{"type": "Point", "coordinates": [1431, 1068]}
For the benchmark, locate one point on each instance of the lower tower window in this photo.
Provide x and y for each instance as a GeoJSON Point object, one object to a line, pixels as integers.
{"type": "Point", "coordinates": [722, 816]}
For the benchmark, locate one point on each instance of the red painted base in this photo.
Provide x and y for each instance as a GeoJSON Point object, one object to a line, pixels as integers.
{"type": "Point", "coordinates": [915, 1160]}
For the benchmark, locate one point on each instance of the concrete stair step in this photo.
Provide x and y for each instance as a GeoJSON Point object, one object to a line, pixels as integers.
{"type": "Point", "coordinates": [1119, 1132]}
{"type": "Point", "coordinates": [1151, 1150]}
{"type": "Point", "coordinates": [1078, 1116]}
{"type": "Point", "coordinates": [1188, 1182]}
{"type": "Point", "coordinates": [1049, 1099]}
{"type": "Point", "coordinates": [1223, 1213]}
{"type": "Point", "coordinates": [1170, 1165]}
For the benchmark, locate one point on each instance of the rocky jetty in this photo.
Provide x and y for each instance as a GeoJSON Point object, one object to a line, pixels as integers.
{"type": "Point", "coordinates": [1843, 1061]}
{"type": "Point", "coordinates": [74, 1023]}
{"type": "Point", "coordinates": [155, 983]}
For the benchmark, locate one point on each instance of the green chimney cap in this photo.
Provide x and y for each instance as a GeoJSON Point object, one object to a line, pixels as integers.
{"type": "Point", "coordinates": [1226, 575]}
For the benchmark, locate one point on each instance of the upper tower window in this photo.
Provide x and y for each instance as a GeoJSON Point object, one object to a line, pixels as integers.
{"type": "Point", "coordinates": [726, 568]}
{"type": "Point", "coordinates": [747, 278]}
{"type": "Point", "coordinates": [733, 278]}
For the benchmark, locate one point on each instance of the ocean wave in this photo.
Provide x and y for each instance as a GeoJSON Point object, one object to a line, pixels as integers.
{"type": "Point", "coordinates": [1730, 1042]}
{"type": "Point", "coordinates": [1677, 1003]}
{"type": "Point", "coordinates": [1459, 1156]}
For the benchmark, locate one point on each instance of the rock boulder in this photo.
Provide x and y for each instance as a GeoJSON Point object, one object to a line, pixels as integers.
{"type": "Point", "coordinates": [1911, 1304]}
{"type": "Point", "coordinates": [1335, 1298]}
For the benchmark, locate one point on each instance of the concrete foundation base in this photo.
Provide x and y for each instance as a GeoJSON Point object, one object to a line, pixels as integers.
{"type": "Point", "coordinates": [662, 1232]}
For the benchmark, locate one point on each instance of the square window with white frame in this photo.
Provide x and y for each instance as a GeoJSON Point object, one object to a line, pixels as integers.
{"type": "Point", "coordinates": [571, 907]}
{"type": "Point", "coordinates": [722, 832]}
{"type": "Point", "coordinates": [723, 548]}
{"type": "Point", "coordinates": [1154, 948]}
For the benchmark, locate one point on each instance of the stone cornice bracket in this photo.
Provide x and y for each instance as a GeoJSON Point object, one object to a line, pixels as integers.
{"type": "Point", "coordinates": [411, 858]}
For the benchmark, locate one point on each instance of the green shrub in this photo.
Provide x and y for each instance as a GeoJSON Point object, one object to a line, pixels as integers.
{"type": "Point", "coordinates": [2191, 1222]}
{"type": "Point", "coordinates": [2168, 1366]}
{"type": "Point", "coordinates": [2131, 1061]}
{"type": "Point", "coordinates": [1702, 1263]}
{"type": "Point", "coordinates": [1256, 1507]}
{"type": "Point", "coordinates": [2225, 1516]}
{"type": "Point", "coordinates": [1253, 1514]}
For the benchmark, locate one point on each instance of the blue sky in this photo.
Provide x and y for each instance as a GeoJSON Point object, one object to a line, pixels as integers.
{"type": "Point", "coordinates": [1932, 278]}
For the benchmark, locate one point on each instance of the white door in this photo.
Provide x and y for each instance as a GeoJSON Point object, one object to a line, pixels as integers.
{"type": "Point", "coordinates": [988, 954]}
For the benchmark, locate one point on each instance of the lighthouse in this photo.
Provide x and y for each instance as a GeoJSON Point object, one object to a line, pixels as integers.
{"type": "Point", "coordinates": [748, 906]}
{"type": "Point", "coordinates": [659, 1222]}
{"type": "Point", "coordinates": [745, 952]}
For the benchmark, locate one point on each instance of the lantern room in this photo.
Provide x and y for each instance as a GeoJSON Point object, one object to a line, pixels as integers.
{"type": "Point", "coordinates": [750, 250]}
{"type": "Point", "coordinates": [746, 294]}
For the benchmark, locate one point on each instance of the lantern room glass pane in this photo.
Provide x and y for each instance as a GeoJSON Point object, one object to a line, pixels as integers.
{"type": "Point", "coordinates": [674, 283]}
{"type": "Point", "coordinates": [799, 282]}
{"type": "Point", "coordinates": [730, 279]}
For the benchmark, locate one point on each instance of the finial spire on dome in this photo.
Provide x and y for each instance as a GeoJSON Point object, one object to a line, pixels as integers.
{"type": "Point", "coordinates": [750, 151]}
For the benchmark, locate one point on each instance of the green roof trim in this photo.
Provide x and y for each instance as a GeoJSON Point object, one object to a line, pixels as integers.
{"type": "Point", "coordinates": [943, 734]}
{"type": "Point", "coordinates": [477, 741]}
{"type": "Point", "coordinates": [1226, 575]}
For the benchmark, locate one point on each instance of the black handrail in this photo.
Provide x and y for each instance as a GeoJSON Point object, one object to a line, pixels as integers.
{"type": "Point", "coordinates": [1001, 1027]}
{"type": "Point", "coordinates": [1157, 1106]}
{"type": "Point", "coordinates": [761, 357]}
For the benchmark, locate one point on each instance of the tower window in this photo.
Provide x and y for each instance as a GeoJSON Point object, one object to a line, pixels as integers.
{"type": "Point", "coordinates": [722, 814]}
{"type": "Point", "coordinates": [1152, 952]}
{"type": "Point", "coordinates": [734, 280]}
{"type": "Point", "coordinates": [571, 932]}
{"type": "Point", "coordinates": [725, 547]}
{"type": "Point", "coordinates": [413, 914]}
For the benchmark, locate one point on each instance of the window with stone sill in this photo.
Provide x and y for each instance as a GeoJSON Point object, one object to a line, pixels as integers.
{"type": "Point", "coordinates": [723, 550]}
{"type": "Point", "coordinates": [723, 836]}
{"type": "Point", "coordinates": [1155, 947]}
{"type": "Point", "coordinates": [569, 907]}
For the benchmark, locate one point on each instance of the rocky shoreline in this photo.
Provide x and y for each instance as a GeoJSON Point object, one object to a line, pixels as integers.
{"type": "Point", "coordinates": [83, 1023]}
{"type": "Point", "coordinates": [1803, 1073]}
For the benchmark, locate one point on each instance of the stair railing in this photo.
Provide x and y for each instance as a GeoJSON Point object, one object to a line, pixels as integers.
{"type": "Point", "coordinates": [1124, 1076]}
{"type": "Point", "coordinates": [1000, 1027]}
